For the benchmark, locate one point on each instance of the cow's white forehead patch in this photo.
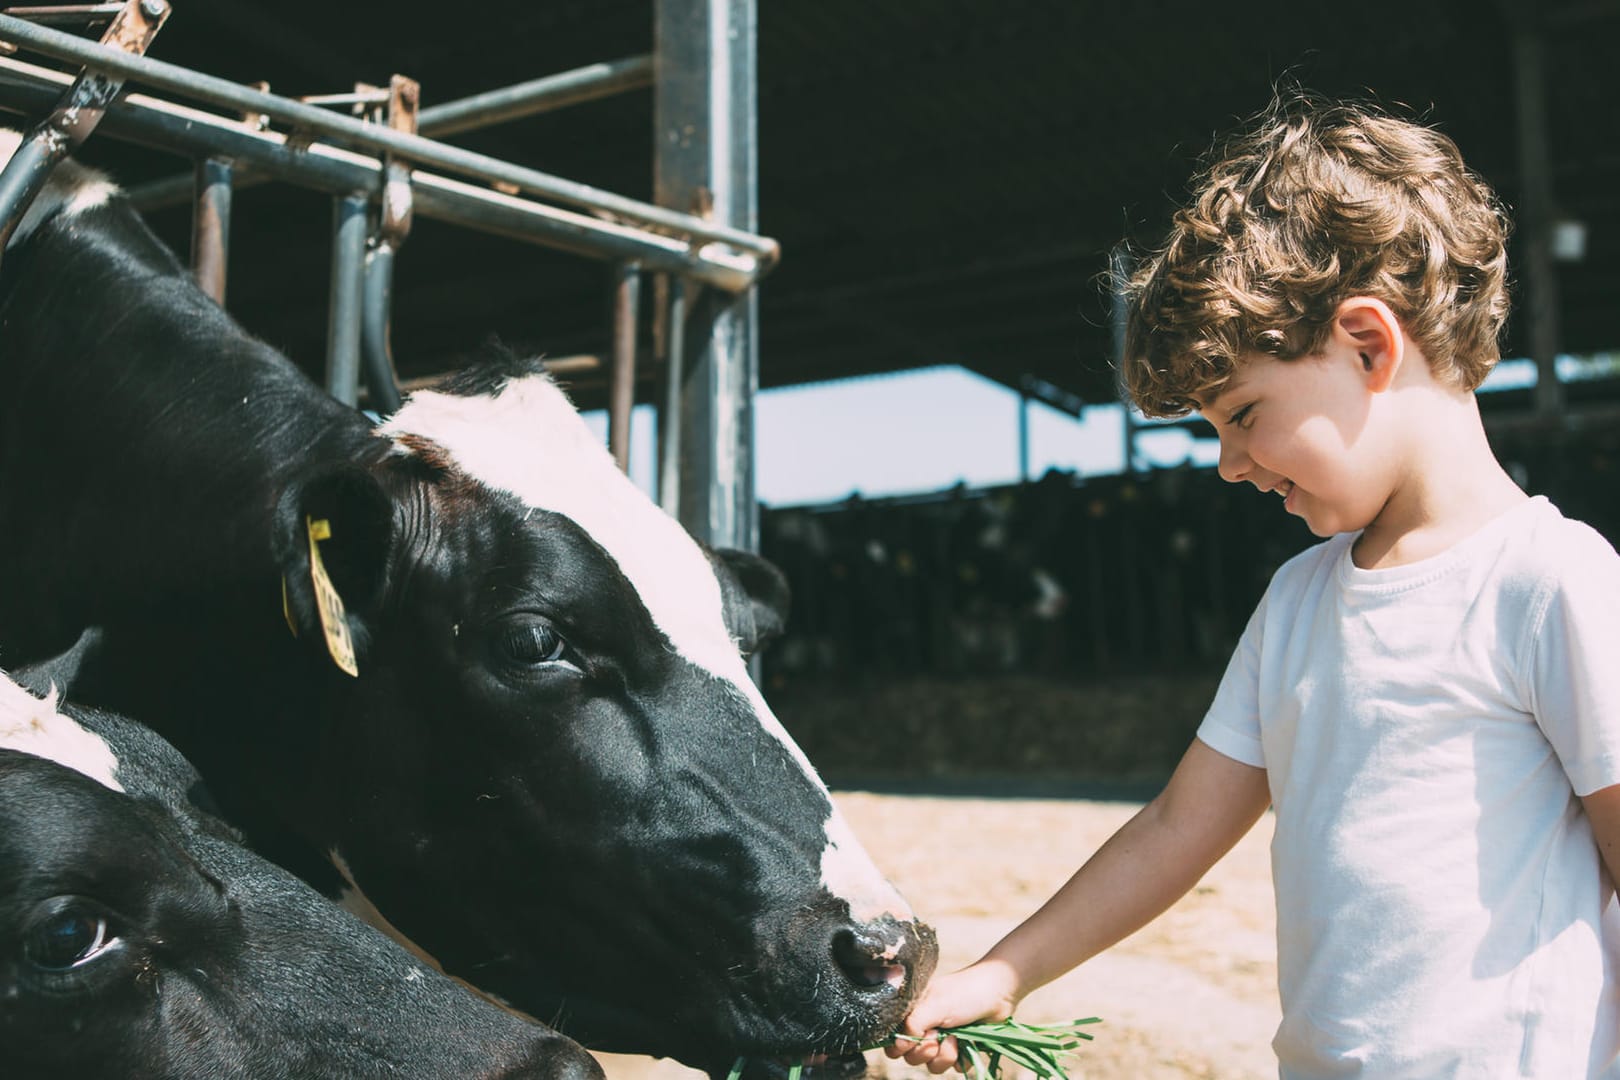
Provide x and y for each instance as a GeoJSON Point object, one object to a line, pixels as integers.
{"type": "Point", "coordinates": [531, 443]}
{"type": "Point", "coordinates": [35, 727]}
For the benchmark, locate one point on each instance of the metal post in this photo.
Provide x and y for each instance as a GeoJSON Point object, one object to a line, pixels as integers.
{"type": "Point", "coordinates": [211, 227]}
{"type": "Point", "coordinates": [1023, 434]}
{"type": "Point", "coordinates": [705, 126]}
{"type": "Point", "coordinates": [1119, 272]}
{"type": "Point", "coordinates": [622, 387]}
{"type": "Point", "coordinates": [1536, 207]}
{"type": "Point", "coordinates": [377, 353]}
{"type": "Point", "coordinates": [669, 414]}
{"type": "Point", "coordinates": [343, 315]}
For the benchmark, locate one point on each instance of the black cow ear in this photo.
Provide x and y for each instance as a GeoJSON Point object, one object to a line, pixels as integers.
{"type": "Point", "coordinates": [755, 594]}
{"type": "Point", "coordinates": [333, 531]}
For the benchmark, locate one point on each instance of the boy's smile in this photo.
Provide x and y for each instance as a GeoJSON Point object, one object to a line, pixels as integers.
{"type": "Point", "coordinates": [1300, 428]}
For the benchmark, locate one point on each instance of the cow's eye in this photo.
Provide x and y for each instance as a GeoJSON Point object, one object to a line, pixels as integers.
{"type": "Point", "coordinates": [530, 640]}
{"type": "Point", "coordinates": [70, 936]}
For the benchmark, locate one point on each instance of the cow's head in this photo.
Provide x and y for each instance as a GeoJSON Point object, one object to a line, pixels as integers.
{"type": "Point", "coordinates": [135, 942]}
{"type": "Point", "coordinates": [556, 774]}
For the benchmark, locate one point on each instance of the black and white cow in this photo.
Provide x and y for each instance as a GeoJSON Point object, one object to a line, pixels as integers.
{"type": "Point", "coordinates": [138, 939]}
{"type": "Point", "coordinates": [552, 772]}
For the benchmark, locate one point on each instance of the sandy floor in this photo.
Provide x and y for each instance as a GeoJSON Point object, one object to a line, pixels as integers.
{"type": "Point", "coordinates": [1192, 995]}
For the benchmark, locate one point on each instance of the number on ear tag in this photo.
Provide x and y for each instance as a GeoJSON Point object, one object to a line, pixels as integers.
{"type": "Point", "coordinates": [328, 603]}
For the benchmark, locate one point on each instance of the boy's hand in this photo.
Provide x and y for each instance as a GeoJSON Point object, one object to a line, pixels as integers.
{"type": "Point", "coordinates": [986, 990]}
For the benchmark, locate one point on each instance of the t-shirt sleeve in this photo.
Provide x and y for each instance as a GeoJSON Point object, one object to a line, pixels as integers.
{"type": "Point", "coordinates": [1232, 724]}
{"type": "Point", "coordinates": [1575, 663]}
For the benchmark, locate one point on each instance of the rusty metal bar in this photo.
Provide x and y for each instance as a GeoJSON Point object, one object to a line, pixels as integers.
{"type": "Point", "coordinates": [211, 227]}
{"type": "Point", "coordinates": [622, 387]}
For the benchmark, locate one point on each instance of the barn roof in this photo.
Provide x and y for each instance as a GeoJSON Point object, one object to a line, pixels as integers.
{"type": "Point", "coordinates": [946, 179]}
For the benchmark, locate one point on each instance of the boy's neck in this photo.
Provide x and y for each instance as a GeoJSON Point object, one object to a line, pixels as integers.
{"type": "Point", "coordinates": [1451, 486]}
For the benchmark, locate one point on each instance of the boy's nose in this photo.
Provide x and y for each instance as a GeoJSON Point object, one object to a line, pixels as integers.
{"type": "Point", "coordinates": [1234, 464]}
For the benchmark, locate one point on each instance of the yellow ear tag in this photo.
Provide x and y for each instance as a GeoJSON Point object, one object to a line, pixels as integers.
{"type": "Point", "coordinates": [327, 601]}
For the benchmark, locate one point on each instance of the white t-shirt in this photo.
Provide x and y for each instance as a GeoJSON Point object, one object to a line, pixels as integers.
{"type": "Point", "coordinates": [1441, 906]}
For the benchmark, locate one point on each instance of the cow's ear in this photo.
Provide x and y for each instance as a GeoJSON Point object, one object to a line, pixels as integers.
{"type": "Point", "coordinates": [755, 594]}
{"type": "Point", "coordinates": [333, 532]}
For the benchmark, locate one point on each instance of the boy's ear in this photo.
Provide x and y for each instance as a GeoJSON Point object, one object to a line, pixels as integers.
{"type": "Point", "coordinates": [1370, 329]}
{"type": "Point", "coordinates": [333, 534]}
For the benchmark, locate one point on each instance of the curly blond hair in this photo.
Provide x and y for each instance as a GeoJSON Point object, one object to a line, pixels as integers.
{"type": "Point", "coordinates": [1314, 204]}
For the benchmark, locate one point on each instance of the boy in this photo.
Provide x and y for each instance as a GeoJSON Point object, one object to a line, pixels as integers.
{"type": "Point", "coordinates": [1430, 699]}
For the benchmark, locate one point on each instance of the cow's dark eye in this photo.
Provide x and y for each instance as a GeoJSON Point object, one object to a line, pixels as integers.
{"type": "Point", "coordinates": [530, 640]}
{"type": "Point", "coordinates": [72, 935]}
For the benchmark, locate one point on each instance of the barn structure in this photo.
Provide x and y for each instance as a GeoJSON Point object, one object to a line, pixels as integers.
{"type": "Point", "coordinates": [947, 183]}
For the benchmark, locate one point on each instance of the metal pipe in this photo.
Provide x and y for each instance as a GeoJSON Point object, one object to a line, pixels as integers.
{"type": "Point", "coordinates": [622, 388]}
{"type": "Point", "coordinates": [469, 113]}
{"type": "Point", "coordinates": [669, 418]}
{"type": "Point", "coordinates": [706, 131]}
{"type": "Point", "coordinates": [192, 132]}
{"type": "Point", "coordinates": [26, 174]}
{"type": "Point", "coordinates": [536, 96]}
{"type": "Point", "coordinates": [75, 112]}
{"type": "Point", "coordinates": [1023, 435]}
{"type": "Point", "coordinates": [1541, 309]}
{"type": "Point", "coordinates": [66, 14]}
{"type": "Point", "coordinates": [211, 227]}
{"type": "Point", "coordinates": [343, 314]}
{"type": "Point", "coordinates": [374, 137]}
{"type": "Point", "coordinates": [377, 354]}
{"type": "Point", "coordinates": [1119, 273]}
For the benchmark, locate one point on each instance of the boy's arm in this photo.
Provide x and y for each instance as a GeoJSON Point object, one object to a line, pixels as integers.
{"type": "Point", "coordinates": [1603, 811]}
{"type": "Point", "coordinates": [1155, 858]}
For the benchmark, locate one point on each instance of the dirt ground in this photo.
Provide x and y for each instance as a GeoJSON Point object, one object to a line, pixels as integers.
{"type": "Point", "coordinates": [1192, 995]}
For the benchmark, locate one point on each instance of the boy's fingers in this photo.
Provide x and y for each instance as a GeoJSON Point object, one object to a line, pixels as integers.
{"type": "Point", "coordinates": [921, 1051]}
{"type": "Point", "coordinates": [901, 1044]}
{"type": "Point", "coordinates": [944, 1057]}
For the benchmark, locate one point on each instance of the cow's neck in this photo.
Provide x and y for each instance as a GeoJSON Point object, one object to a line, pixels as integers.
{"type": "Point", "coordinates": [106, 418]}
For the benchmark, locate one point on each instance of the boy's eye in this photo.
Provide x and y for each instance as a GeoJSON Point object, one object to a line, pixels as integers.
{"type": "Point", "coordinates": [1241, 417]}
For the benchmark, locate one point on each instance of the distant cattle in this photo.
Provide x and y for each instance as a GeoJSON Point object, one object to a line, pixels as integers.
{"type": "Point", "coordinates": [551, 772]}
{"type": "Point", "coordinates": [138, 939]}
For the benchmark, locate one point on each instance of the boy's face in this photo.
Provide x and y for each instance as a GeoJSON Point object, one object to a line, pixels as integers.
{"type": "Point", "coordinates": [1305, 429]}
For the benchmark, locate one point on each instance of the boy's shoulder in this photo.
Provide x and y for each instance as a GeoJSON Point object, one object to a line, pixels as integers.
{"type": "Point", "coordinates": [1542, 543]}
{"type": "Point", "coordinates": [1533, 548]}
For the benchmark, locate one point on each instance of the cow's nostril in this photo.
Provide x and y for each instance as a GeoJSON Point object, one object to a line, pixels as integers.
{"type": "Point", "coordinates": [868, 962]}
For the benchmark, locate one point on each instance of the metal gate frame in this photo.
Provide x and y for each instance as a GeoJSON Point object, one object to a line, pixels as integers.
{"type": "Point", "coordinates": [697, 237]}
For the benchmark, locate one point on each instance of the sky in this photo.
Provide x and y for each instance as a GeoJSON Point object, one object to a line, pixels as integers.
{"type": "Point", "coordinates": [914, 431]}
{"type": "Point", "coordinates": [931, 428]}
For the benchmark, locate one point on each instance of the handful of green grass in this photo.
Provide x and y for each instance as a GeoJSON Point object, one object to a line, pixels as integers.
{"type": "Point", "coordinates": [1035, 1047]}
